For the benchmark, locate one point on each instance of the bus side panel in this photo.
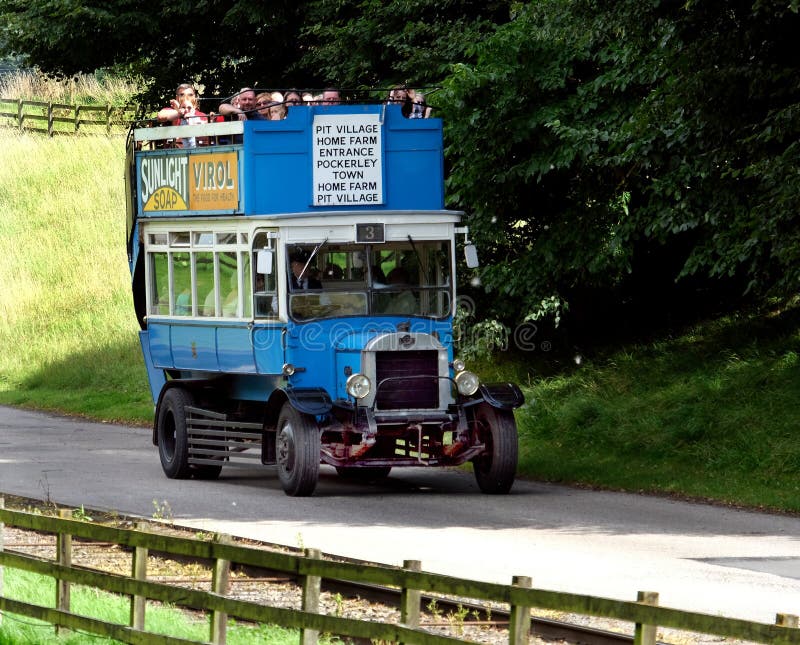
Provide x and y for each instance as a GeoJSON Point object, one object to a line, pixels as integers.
{"type": "Point", "coordinates": [235, 350]}
{"type": "Point", "coordinates": [268, 349]}
{"type": "Point", "coordinates": [193, 347]}
{"type": "Point", "coordinates": [159, 341]}
{"type": "Point", "coordinates": [155, 376]}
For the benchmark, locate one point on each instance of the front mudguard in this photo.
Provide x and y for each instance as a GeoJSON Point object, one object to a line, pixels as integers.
{"type": "Point", "coordinates": [505, 396]}
{"type": "Point", "coordinates": [310, 400]}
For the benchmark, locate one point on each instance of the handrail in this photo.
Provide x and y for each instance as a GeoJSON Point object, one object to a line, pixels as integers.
{"type": "Point", "coordinates": [518, 596]}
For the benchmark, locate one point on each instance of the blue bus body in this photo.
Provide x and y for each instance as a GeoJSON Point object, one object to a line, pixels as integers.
{"type": "Point", "coordinates": [294, 282]}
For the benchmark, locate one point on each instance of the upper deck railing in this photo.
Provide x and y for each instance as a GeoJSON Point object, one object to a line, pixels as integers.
{"type": "Point", "coordinates": [318, 159]}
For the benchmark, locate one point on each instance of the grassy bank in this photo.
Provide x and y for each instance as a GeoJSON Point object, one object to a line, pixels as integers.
{"type": "Point", "coordinates": [708, 413]}
{"type": "Point", "coordinates": [67, 331]}
{"type": "Point", "coordinates": [712, 413]}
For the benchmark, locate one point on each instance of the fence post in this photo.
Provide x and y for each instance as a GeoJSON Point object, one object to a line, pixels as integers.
{"type": "Point", "coordinates": [519, 622]}
{"type": "Point", "coordinates": [20, 114]}
{"type": "Point", "coordinates": [409, 598]}
{"type": "Point", "coordinates": [219, 585]}
{"type": "Point", "coordinates": [646, 634]}
{"type": "Point", "coordinates": [2, 538]}
{"type": "Point", "coordinates": [108, 118]}
{"type": "Point", "coordinates": [77, 117]}
{"type": "Point", "coordinates": [139, 572]}
{"type": "Point", "coordinates": [312, 587]}
{"type": "Point", "coordinates": [64, 558]}
{"type": "Point", "coordinates": [781, 620]}
{"type": "Point", "coordinates": [50, 119]}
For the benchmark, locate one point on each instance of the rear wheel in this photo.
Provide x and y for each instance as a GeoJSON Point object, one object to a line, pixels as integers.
{"type": "Point", "coordinates": [173, 438]}
{"type": "Point", "coordinates": [364, 475]}
{"type": "Point", "coordinates": [173, 447]}
{"type": "Point", "coordinates": [297, 448]}
{"type": "Point", "coordinates": [496, 468]}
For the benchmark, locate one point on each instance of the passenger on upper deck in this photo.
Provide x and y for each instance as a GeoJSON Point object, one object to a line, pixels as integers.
{"type": "Point", "coordinates": [242, 106]}
{"type": "Point", "coordinates": [176, 109]}
{"type": "Point", "coordinates": [331, 96]}
{"type": "Point", "coordinates": [292, 97]}
{"type": "Point", "coordinates": [399, 94]}
{"type": "Point", "coordinates": [421, 109]}
{"type": "Point", "coordinates": [263, 103]}
{"type": "Point", "coordinates": [277, 109]}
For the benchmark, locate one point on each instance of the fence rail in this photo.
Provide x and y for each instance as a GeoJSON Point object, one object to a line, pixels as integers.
{"type": "Point", "coordinates": [63, 118]}
{"type": "Point", "coordinates": [310, 569]}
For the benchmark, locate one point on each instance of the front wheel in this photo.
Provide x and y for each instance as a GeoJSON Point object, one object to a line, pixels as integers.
{"type": "Point", "coordinates": [496, 467]}
{"type": "Point", "coordinates": [297, 447]}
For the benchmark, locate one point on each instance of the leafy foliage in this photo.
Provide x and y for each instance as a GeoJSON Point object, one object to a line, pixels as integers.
{"type": "Point", "coordinates": [619, 128]}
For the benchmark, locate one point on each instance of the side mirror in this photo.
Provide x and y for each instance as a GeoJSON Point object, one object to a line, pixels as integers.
{"type": "Point", "coordinates": [264, 261]}
{"type": "Point", "coordinates": [471, 256]}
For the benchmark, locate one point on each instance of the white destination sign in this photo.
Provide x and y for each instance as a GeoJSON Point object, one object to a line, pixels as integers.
{"type": "Point", "coordinates": [348, 169]}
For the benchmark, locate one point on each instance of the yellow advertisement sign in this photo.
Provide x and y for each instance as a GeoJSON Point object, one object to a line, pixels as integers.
{"type": "Point", "coordinates": [214, 181]}
{"type": "Point", "coordinates": [197, 182]}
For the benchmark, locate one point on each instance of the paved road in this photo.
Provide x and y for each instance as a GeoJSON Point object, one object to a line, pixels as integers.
{"type": "Point", "coordinates": [702, 558]}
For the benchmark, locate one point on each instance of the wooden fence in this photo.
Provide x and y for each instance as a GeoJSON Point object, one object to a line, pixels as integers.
{"type": "Point", "coordinates": [62, 118]}
{"type": "Point", "coordinates": [310, 569]}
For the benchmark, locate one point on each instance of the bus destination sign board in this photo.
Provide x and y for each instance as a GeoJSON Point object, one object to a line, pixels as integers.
{"type": "Point", "coordinates": [347, 160]}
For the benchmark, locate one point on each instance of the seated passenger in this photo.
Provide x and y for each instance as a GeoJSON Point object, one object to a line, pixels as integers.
{"type": "Point", "coordinates": [333, 272]}
{"type": "Point", "coordinates": [230, 304]}
{"type": "Point", "coordinates": [209, 305]}
{"type": "Point", "coordinates": [402, 302]}
{"type": "Point", "coordinates": [183, 303]}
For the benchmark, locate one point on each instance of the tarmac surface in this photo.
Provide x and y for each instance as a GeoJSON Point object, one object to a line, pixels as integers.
{"type": "Point", "coordinates": [710, 559]}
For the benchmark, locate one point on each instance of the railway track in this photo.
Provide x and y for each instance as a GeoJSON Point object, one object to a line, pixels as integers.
{"type": "Point", "coordinates": [453, 616]}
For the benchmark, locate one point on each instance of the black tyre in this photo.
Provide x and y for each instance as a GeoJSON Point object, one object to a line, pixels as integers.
{"type": "Point", "coordinates": [496, 468]}
{"type": "Point", "coordinates": [363, 475]}
{"type": "Point", "coordinates": [297, 451]}
{"type": "Point", "coordinates": [173, 446]}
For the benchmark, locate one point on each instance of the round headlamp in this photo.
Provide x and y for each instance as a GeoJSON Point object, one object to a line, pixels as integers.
{"type": "Point", "coordinates": [458, 365]}
{"type": "Point", "coordinates": [467, 383]}
{"type": "Point", "coordinates": [358, 386]}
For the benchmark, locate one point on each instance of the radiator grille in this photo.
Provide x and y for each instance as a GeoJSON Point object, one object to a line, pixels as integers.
{"type": "Point", "coordinates": [414, 383]}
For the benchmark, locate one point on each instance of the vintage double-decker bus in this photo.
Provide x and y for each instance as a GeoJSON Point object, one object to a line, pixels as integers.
{"type": "Point", "coordinates": [294, 282]}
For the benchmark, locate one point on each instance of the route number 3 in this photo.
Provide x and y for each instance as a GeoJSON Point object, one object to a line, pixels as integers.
{"type": "Point", "coordinates": [370, 233]}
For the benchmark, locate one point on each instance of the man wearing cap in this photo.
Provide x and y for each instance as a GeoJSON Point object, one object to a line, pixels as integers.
{"type": "Point", "coordinates": [300, 280]}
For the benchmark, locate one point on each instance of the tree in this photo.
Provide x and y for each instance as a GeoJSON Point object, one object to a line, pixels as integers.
{"type": "Point", "coordinates": [226, 45]}
{"type": "Point", "coordinates": [618, 129]}
{"type": "Point", "coordinates": [222, 45]}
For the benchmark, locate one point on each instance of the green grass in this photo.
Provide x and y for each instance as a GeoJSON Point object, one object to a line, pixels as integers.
{"type": "Point", "coordinates": [86, 601]}
{"type": "Point", "coordinates": [711, 413]}
{"type": "Point", "coordinates": [67, 329]}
